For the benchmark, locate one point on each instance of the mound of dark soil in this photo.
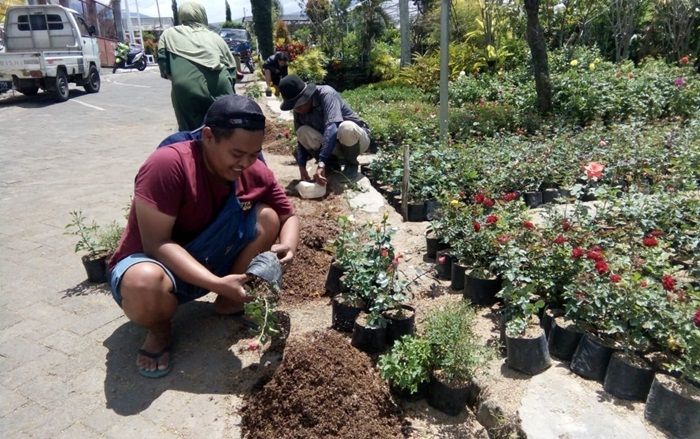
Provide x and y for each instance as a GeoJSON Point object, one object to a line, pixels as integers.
{"type": "Point", "coordinates": [277, 138]}
{"type": "Point", "coordinates": [305, 276]}
{"type": "Point", "coordinates": [323, 388]}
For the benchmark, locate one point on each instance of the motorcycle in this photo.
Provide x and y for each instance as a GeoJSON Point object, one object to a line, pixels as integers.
{"type": "Point", "coordinates": [246, 59]}
{"type": "Point", "coordinates": [126, 57]}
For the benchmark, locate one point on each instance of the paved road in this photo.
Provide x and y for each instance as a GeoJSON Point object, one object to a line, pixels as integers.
{"type": "Point", "coordinates": [66, 351]}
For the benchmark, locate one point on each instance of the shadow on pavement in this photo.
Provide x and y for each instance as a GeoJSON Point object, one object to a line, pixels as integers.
{"type": "Point", "coordinates": [84, 288]}
{"type": "Point", "coordinates": [203, 360]}
{"type": "Point", "coordinates": [41, 100]}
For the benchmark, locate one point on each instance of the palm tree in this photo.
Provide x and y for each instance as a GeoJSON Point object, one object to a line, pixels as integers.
{"type": "Point", "coordinates": [374, 21]}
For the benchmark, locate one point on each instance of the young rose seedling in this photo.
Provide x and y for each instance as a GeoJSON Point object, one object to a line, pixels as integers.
{"type": "Point", "coordinates": [261, 309]}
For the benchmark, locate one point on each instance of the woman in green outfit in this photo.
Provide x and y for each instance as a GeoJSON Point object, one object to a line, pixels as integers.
{"type": "Point", "coordinates": [198, 63]}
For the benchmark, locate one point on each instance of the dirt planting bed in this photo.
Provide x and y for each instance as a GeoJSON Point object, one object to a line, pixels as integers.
{"type": "Point", "coordinates": [323, 388]}
{"type": "Point", "coordinates": [305, 277]}
{"type": "Point", "coordinates": [277, 137]}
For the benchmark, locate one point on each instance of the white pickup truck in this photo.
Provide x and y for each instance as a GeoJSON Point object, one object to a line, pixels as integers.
{"type": "Point", "coordinates": [48, 46]}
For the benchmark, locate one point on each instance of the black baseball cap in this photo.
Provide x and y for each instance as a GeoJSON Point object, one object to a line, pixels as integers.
{"type": "Point", "coordinates": [235, 111]}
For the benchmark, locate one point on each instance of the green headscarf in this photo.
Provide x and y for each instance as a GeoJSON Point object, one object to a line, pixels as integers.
{"type": "Point", "coordinates": [194, 41]}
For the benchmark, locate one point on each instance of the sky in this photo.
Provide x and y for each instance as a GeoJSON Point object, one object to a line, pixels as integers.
{"type": "Point", "coordinates": [216, 9]}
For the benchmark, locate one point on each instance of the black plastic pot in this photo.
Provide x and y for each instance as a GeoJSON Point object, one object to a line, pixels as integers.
{"type": "Point", "coordinates": [550, 195]}
{"type": "Point", "coordinates": [96, 268]}
{"type": "Point", "coordinates": [565, 193]}
{"type": "Point", "coordinates": [416, 212]}
{"type": "Point", "coordinates": [431, 209]}
{"type": "Point", "coordinates": [443, 264]}
{"type": "Point", "coordinates": [333, 284]}
{"type": "Point", "coordinates": [628, 377]}
{"type": "Point", "coordinates": [431, 245]}
{"type": "Point", "coordinates": [408, 396]}
{"type": "Point", "coordinates": [344, 314]}
{"type": "Point", "coordinates": [458, 275]}
{"type": "Point", "coordinates": [481, 291]}
{"type": "Point", "coordinates": [528, 353]}
{"type": "Point", "coordinates": [548, 318]}
{"type": "Point", "coordinates": [674, 406]}
{"type": "Point", "coordinates": [532, 198]}
{"type": "Point", "coordinates": [370, 339]}
{"type": "Point", "coordinates": [400, 325]}
{"type": "Point", "coordinates": [563, 339]}
{"type": "Point", "coordinates": [591, 358]}
{"type": "Point", "coordinates": [448, 398]}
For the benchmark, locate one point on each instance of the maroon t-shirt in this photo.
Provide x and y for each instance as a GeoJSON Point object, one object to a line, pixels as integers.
{"type": "Point", "coordinates": [176, 181]}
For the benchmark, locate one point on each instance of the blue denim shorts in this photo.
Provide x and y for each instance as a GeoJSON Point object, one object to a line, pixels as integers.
{"type": "Point", "coordinates": [183, 291]}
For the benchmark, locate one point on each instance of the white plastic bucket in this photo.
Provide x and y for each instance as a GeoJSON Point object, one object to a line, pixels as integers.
{"type": "Point", "coordinates": [309, 190]}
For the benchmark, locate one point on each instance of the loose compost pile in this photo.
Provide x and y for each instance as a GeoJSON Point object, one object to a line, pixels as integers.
{"type": "Point", "coordinates": [323, 388]}
{"type": "Point", "coordinates": [305, 276]}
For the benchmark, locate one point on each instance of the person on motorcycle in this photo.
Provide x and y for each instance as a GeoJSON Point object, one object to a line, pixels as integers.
{"type": "Point", "coordinates": [122, 50]}
{"type": "Point", "coordinates": [275, 68]}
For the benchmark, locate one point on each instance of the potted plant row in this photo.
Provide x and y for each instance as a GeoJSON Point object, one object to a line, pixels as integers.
{"type": "Point", "coordinates": [371, 302]}
{"type": "Point", "coordinates": [441, 362]}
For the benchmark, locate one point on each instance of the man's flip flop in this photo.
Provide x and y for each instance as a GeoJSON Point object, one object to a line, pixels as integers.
{"type": "Point", "coordinates": [158, 373]}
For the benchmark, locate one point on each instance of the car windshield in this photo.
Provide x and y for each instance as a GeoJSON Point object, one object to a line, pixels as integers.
{"type": "Point", "coordinates": [235, 34]}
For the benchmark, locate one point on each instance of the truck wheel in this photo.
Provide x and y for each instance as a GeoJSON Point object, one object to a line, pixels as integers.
{"type": "Point", "coordinates": [143, 64]}
{"type": "Point", "coordinates": [29, 91]}
{"type": "Point", "coordinates": [92, 85]}
{"type": "Point", "coordinates": [62, 90]}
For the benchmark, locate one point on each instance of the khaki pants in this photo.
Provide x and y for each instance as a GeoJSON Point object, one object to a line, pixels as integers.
{"type": "Point", "coordinates": [352, 141]}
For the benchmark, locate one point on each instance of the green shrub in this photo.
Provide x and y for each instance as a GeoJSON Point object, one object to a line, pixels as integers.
{"type": "Point", "coordinates": [458, 353]}
{"type": "Point", "coordinates": [408, 363]}
{"type": "Point", "coordinates": [309, 66]}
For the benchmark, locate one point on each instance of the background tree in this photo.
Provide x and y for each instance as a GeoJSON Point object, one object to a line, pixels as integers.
{"type": "Point", "coordinates": [262, 24]}
{"type": "Point", "coordinates": [176, 19]}
{"type": "Point", "coordinates": [228, 12]}
{"type": "Point", "coordinates": [538, 48]}
{"type": "Point", "coordinates": [318, 12]}
{"type": "Point", "coordinates": [374, 20]}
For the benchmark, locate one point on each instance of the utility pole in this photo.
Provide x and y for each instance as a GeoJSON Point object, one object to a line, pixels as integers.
{"type": "Point", "coordinates": [444, 67]}
{"type": "Point", "coordinates": [128, 23]}
{"type": "Point", "coordinates": [160, 20]}
{"type": "Point", "coordinates": [138, 20]}
{"type": "Point", "coordinates": [405, 33]}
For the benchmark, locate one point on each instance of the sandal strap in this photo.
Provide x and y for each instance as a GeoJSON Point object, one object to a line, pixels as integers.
{"type": "Point", "coordinates": [154, 355]}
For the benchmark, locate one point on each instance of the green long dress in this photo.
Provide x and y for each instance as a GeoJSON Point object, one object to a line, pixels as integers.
{"type": "Point", "coordinates": [194, 89]}
{"type": "Point", "coordinates": [198, 63]}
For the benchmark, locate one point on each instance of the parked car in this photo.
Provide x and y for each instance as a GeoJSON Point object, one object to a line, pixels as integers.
{"type": "Point", "coordinates": [236, 39]}
{"type": "Point", "coordinates": [49, 46]}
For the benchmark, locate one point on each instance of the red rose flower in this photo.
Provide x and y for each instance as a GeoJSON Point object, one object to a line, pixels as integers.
{"type": "Point", "coordinates": [488, 202]}
{"type": "Point", "coordinates": [643, 284]}
{"type": "Point", "coordinates": [594, 255]}
{"type": "Point", "coordinates": [650, 241]}
{"type": "Point", "coordinates": [491, 219]}
{"type": "Point", "coordinates": [615, 278]}
{"type": "Point", "coordinates": [479, 198]}
{"type": "Point", "coordinates": [565, 225]}
{"type": "Point", "coordinates": [442, 260]}
{"type": "Point", "coordinates": [602, 267]}
{"type": "Point", "coordinates": [577, 252]}
{"type": "Point", "coordinates": [559, 239]}
{"type": "Point", "coordinates": [668, 282]}
{"type": "Point", "coordinates": [528, 225]}
{"type": "Point", "coordinates": [696, 319]}
{"type": "Point", "coordinates": [384, 252]}
{"type": "Point", "coordinates": [510, 196]}
{"type": "Point", "coordinates": [684, 60]}
{"type": "Point", "coordinates": [476, 225]}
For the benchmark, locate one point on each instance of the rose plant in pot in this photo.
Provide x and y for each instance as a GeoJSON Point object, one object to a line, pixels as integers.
{"type": "Point", "coordinates": [97, 242]}
{"type": "Point", "coordinates": [488, 228]}
{"type": "Point", "coordinates": [372, 275]}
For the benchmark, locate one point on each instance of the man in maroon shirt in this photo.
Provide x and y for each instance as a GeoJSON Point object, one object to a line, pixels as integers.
{"type": "Point", "coordinates": [202, 210]}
